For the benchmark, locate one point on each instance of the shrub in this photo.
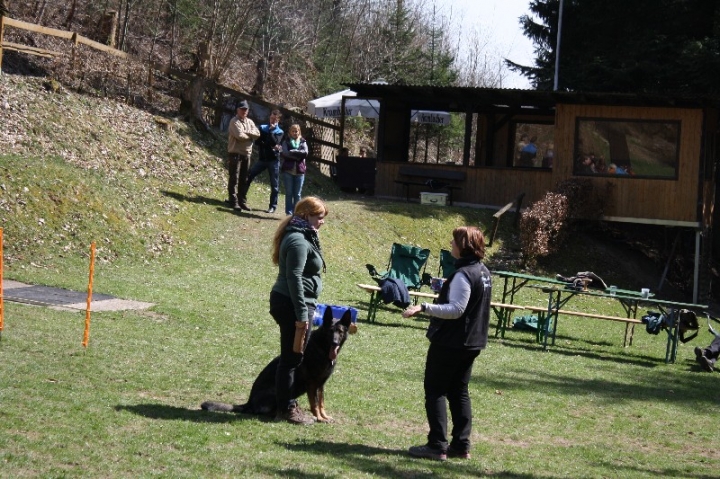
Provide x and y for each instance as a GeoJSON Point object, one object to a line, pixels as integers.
{"type": "Point", "coordinates": [544, 226]}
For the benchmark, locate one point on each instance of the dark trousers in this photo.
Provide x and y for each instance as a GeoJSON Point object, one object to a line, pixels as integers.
{"type": "Point", "coordinates": [283, 312]}
{"type": "Point", "coordinates": [713, 351]}
{"type": "Point", "coordinates": [273, 169]}
{"type": "Point", "coordinates": [237, 173]}
{"type": "Point", "coordinates": [447, 374]}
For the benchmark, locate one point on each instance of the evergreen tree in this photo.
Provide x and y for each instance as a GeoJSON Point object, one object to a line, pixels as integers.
{"type": "Point", "coordinates": [643, 46]}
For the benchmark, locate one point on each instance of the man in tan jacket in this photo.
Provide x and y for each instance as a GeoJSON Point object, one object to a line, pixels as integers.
{"type": "Point", "coordinates": [242, 132]}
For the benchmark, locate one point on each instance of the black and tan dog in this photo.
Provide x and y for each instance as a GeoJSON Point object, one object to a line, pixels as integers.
{"type": "Point", "coordinates": [316, 368]}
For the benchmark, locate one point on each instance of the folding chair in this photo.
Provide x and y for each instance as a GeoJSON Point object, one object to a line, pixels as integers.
{"type": "Point", "coordinates": [407, 263]}
{"type": "Point", "coordinates": [447, 264]}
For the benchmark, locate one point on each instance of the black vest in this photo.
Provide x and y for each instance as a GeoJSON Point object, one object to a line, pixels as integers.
{"type": "Point", "coordinates": [469, 331]}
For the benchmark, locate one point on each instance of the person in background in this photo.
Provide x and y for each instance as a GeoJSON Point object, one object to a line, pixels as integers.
{"type": "Point", "coordinates": [549, 155]}
{"type": "Point", "coordinates": [293, 298]}
{"type": "Point", "coordinates": [343, 152]}
{"type": "Point", "coordinates": [294, 151]}
{"type": "Point", "coordinates": [519, 148]}
{"type": "Point", "coordinates": [363, 152]}
{"type": "Point", "coordinates": [528, 153]}
{"type": "Point", "coordinates": [458, 331]}
{"type": "Point", "coordinates": [269, 147]}
{"type": "Point", "coordinates": [242, 132]}
{"type": "Point", "coordinates": [707, 357]}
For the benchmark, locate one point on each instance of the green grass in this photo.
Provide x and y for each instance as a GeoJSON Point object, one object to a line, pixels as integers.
{"type": "Point", "coordinates": [128, 404]}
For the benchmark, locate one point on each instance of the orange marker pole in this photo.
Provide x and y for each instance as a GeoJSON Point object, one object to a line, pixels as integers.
{"type": "Point", "coordinates": [2, 305]}
{"type": "Point", "coordinates": [86, 335]}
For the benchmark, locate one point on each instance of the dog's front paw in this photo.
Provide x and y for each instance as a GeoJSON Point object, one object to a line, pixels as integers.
{"type": "Point", "coordinates": [322, 417]}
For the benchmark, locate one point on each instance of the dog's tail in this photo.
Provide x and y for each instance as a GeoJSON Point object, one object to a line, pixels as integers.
{"type": "Point", "coordinates": [213, 406]}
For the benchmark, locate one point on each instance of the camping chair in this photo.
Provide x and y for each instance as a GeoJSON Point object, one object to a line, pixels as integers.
{"type": "Point", "coordinates": [447, 264]}
{"type": "Point", "coordinates": [406, 263]}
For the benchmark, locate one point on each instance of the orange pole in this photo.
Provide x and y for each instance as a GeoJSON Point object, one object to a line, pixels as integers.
{"type": "Point", "coordinates": [86, 335]}
{"type": "Point", "coordinates": [2, 305]}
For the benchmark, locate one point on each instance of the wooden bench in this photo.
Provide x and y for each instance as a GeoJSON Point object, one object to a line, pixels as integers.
{"type": "Point", "coordinates": [376, 298]}
{"type": "Point", "coordinates": [502, 311]}
{"type": "Point", "coordinates": [504, 314]}
{"type": "Point", "coordinates": [543, 325]}
{"type": "Point", "coordinates": [407, 176]}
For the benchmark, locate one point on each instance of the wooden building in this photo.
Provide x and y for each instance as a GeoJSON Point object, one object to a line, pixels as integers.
{"type": "Point", "coordinates": [658, 153]}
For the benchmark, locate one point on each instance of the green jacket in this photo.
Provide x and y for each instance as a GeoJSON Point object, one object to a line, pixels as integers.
{"type": "Point", "coordinates": [300, 265]}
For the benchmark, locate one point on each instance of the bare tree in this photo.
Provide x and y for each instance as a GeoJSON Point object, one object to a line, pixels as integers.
{"type": "Point", "coordinates": [222, 28]}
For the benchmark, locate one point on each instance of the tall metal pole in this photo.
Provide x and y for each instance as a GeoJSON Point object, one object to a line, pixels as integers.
{"type": "Point", "coordinates": [557, 46]}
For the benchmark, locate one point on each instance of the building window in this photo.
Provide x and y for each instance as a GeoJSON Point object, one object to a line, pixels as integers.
{"type": "Point", "coordinates": [533, 145]}
{"type": "Point", "coordinates": [627, 148]}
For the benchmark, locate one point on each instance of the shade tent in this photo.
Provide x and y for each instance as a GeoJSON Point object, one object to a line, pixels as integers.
{"type": "Point", "coordinates": [330, 106]}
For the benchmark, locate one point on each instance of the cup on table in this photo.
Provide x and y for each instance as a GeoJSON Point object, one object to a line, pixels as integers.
{"type": "Point", "coordinates": [613, 290]}
{"type": "Point", "coordinates": [645, 293]}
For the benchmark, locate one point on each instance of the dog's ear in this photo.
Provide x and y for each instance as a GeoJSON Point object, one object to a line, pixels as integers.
{"type": "Point", "coordinates": [346, 319]}
{"type": "Point", "coordinates": [328, 316]}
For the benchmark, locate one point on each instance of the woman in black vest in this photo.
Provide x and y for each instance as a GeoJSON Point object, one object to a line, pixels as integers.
{"type": "Point", "coordinates": [458, 331]}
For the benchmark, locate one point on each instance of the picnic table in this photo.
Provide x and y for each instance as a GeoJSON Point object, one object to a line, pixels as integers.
{"type": "Point", "coordinates": [514, 282]}
{"type": "Point", "coordinates": [630, 300]}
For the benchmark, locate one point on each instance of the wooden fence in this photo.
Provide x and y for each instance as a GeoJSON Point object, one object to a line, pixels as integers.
{"type": "Point", "coordinates": [322, 135]}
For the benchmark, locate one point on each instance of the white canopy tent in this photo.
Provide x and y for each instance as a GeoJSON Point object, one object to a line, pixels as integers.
{"type": "Point", "coordinates": [330, 106]}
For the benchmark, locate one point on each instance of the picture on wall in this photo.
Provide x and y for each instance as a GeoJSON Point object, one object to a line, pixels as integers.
{"type": "Point", "coordinates": [628, 148]}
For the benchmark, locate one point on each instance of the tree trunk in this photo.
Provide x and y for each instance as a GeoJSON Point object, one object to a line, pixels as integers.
{"type": "Point", "coordinates": [71, 14]}
{"type": "Point", "coordinates": [40, 11]}
{"type": "Point", "coordinates": [192, 102]}
{"type": "Point", "coordinates": [259, 85]}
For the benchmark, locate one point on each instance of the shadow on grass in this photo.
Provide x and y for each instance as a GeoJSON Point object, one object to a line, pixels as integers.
{"type": "Point", "coordinates": [363, 458]}
{"type": "Point", "coordinates": [221, 206]}
{"type": "Point", "coordinates": [631, 471]}
{"type": "Point", "coordinates": [173, 413]}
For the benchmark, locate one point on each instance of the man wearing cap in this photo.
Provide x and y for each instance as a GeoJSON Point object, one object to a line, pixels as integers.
{"type": "Point", "coordinates": [242, 132]}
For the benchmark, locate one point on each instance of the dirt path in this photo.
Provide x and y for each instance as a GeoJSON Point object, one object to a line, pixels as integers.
{"type": "Point", "coordinates": [65, 299]}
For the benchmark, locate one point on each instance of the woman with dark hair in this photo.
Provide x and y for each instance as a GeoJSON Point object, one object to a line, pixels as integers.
{"type": "Point", "coordinates": [458, 331]}
{"type": "Point", "coordinates": [297, 253]}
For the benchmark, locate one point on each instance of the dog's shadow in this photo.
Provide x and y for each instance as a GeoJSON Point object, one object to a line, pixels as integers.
{"type": "Point", "coordinates": [173, 413]}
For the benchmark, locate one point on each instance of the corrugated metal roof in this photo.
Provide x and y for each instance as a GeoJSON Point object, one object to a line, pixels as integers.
{"type": "Point", "coordinates": [462, 98]}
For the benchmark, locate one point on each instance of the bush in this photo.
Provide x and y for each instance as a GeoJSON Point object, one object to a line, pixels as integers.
{"type": "Point", "coordinates": [545, 225]}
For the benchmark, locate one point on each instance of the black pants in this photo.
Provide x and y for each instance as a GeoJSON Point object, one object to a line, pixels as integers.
{"type": "Point", "coordinates": [237, 174]}
{"type": "Point", "coordinates": [283, 312]}
{"type": "Point", "coordinates": [273, 169]}
{"type": "Point", "coordinates": [713, 351]}
{"type": "Point", "coordinates": [447, 374]}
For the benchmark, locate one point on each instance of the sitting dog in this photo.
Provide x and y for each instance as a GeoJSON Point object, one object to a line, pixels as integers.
{"type": "Point", "coordinates": [315, 369]}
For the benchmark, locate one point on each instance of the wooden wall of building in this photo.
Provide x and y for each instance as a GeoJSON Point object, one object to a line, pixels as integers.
{"type": "Point", "coordinates": [663, 201]}
{"type": "Point", "coordinates": [483, 186]}
{"type": "Point", "coordinates": [658, 200]}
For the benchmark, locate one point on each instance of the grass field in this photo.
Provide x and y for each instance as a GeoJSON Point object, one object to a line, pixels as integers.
{"type": "Point", "coordinates": [128, 404]}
